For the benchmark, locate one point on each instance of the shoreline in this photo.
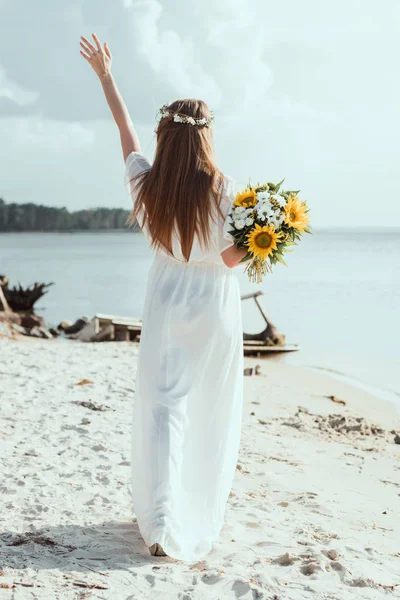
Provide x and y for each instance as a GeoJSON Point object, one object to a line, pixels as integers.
{"type": "Point", "coordinates": [385, 394]}
{"type": "Point", "coordinates": [324, 383]}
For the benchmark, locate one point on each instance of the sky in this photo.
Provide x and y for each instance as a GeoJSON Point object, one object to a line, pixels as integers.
{"type": "Point", "coordinates": [305, 90]}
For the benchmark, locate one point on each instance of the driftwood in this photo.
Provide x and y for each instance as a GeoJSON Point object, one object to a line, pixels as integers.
{"type": "Point", "coordinates": [21, 299]}
{"type": "Point", "coordinates": [12, 323]}
{"type": "Point", "coordinates": [10, 317]}
{"type": "Point", "coordinates": [124, 329]}
{"type": "Point", "coordinates": [3, 301]}
{"type": "Point", "coordinates": [270, 336]}
{"type": "Point", "coordinates": [251, 371]}
{"type": "Point", "coordinates": [106, 334]}
{"type": "Point", "coordinates": [268, 341]}
{"type": "Point", "coordinates": [113, 328]}
{"type": "Point", "coordinates": [75, 327]}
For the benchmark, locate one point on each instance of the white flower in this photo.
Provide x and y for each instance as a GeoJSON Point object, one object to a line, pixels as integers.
{"type": "Point", "coordinates": [249, 221]}
{"type": "Point", "coordinates": [240, 211]}
{"type": "Point", "coordinates": [264, 213]}
{"type": "Point", "coordinates": [281, 201]}
{"type": "Point", "coordinates": [276, 221]}
{"type": "Point", "coordinates": [264, 205]}
{"type": "Point", "coordinates": [177, 118]}
{"type": "Point", "coordinates": [191, 120]}
{"type": "Point", "coordinates": [202, 121]}
{"type": "Point", "coordinates": [239, 223]}
{"type": "Point", "coordinates": [262, 196]}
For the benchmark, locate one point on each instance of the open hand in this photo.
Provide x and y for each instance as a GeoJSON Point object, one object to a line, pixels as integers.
{"type": "Point", "coordinates": [98, 57]}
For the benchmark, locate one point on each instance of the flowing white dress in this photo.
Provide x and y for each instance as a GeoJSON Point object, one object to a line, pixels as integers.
{"type": "Point", "coordinates": [188, 405]}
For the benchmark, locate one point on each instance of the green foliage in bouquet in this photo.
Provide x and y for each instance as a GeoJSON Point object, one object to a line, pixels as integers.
{"type": "Point", "coordinates": [267, 222]}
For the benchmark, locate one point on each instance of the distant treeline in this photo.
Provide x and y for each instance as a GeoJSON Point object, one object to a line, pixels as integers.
{"type": "Point", "coordinates": [36, 217]}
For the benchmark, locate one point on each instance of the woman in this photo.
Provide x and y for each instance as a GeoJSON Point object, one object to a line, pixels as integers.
{"type": "Point", "coordinates": [189, 382]}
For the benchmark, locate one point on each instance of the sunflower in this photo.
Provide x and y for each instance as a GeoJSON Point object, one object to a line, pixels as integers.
{"type": "Point", "coordinates": [296, 213]}
{"type": "Point", "coordinates": [262, 240]}
{"type": "Point", "coordinates": [246, 198]}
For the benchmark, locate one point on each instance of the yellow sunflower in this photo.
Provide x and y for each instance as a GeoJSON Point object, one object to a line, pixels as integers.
{"type": "Point", "coordinates": [295, 212]}
{"type": "Point", "coordinates": [246, 198]}
{"type": "Point", "coordinates": [262, 240]}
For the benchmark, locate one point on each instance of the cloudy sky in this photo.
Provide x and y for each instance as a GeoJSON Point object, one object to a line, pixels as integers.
{"type": "Point", "coordinates": [304, 90]}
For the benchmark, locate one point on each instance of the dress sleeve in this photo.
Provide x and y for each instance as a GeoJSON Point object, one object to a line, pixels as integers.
{"type": "Point", "coordinates": [225, 238]}
{"type": "Point", "coordinates": [135, 164]}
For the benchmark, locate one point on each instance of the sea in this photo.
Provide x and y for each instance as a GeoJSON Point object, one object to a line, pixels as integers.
{"type": "Point", "coordinates": [338, 298]}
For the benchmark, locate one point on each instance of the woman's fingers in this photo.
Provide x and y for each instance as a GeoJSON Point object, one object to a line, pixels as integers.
{"type": "Point", "coordinates": [86, 49]}
{"type": "Point", "coordinates": [90, 46]}
{"type": "Point", "coordinates": [99, 58]}
{"type": "Point", "coordinates": [96, 39]}
{"type": "Point", "coordinates": [85, 55]}
{"type": "Point", "coordinates": [107, 50]}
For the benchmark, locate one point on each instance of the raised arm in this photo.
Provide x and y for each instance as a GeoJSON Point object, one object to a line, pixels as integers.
{"type": "Point", "coordinates": [100, 60]}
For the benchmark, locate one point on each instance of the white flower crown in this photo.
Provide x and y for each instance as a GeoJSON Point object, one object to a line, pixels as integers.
{"type": "Point", "coordinates": [179, 118]}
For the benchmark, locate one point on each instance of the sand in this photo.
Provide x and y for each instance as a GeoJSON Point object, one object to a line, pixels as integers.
{"type": "Point", "coordinates": [313, 512]}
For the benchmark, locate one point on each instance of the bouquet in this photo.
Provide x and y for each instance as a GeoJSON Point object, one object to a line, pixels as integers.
{"type": "Point", "coordinates": [267, 222]}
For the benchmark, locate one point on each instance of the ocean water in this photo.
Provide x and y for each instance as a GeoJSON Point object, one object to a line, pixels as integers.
{"type": "Point", "coordinates": [338, 298]}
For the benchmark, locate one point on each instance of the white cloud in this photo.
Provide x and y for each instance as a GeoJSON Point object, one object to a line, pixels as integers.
{"type": "Point", "coordinates": [217, 55]}
{"type": "Point", "coordinates": [303, 90]}
{"type": "Point", "coordinates": [171, 56]}
{"type": "Point", "coordinates": [52, 135]}
{"type": "Point", "coordinates": [14, 92]}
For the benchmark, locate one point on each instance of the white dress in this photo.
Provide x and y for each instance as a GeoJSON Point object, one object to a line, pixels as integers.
{"type": "Point", "coordinates": [188, 405]}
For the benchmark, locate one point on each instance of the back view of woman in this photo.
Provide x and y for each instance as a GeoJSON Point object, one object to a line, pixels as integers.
{"type": "Point", "coordinates": [187, 412]}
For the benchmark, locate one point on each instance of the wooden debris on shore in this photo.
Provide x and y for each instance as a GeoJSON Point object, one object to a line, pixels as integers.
{"type": "Point", "coordinates": [104, 328]}
{"type": "Point", "coordinates": [112, 328]}
{"type": "Point", "coordinates": [268, 341]}
{"type": "Point", "coordinates": [19, 299]}
{"type": "Point", "coordinates": [12, 324]}
{"type": "Point", "coordinates": [252, 371]}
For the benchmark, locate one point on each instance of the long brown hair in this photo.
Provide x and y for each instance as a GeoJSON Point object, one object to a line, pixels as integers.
{"type": "Point", "coordinates": [183, 185]}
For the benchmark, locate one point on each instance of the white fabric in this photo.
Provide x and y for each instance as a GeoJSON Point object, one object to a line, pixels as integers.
{"type": "Point", "coordinates": [187, 413]}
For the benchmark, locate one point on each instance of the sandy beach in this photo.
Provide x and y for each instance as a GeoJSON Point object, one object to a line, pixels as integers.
{"type": "Point", "coordinates": [313, 512]}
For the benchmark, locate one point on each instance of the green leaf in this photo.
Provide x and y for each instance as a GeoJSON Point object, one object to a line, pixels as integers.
{"type": "Point", "coordinates": [280, 259]}
{"type": "Point", "coordinates": [248, 255]}
{"type": "Point", "coordinates": [278, 185]}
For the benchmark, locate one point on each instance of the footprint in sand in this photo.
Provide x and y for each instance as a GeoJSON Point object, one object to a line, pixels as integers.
{"type": "Point", "coordinates": [285, 560]}
{"type": "Point", "coordinates": [151, 579]}
{"type": "Point", "coordinates": [240, 588]}
{"type": "Point", "coordinates": [252, 524]}
{"type": "Point", "coordinates": [311, 568]}
{"type": "Point", "coordinates": [337, 566]}
{"type": "Point", "coordinates": [210, 578]}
